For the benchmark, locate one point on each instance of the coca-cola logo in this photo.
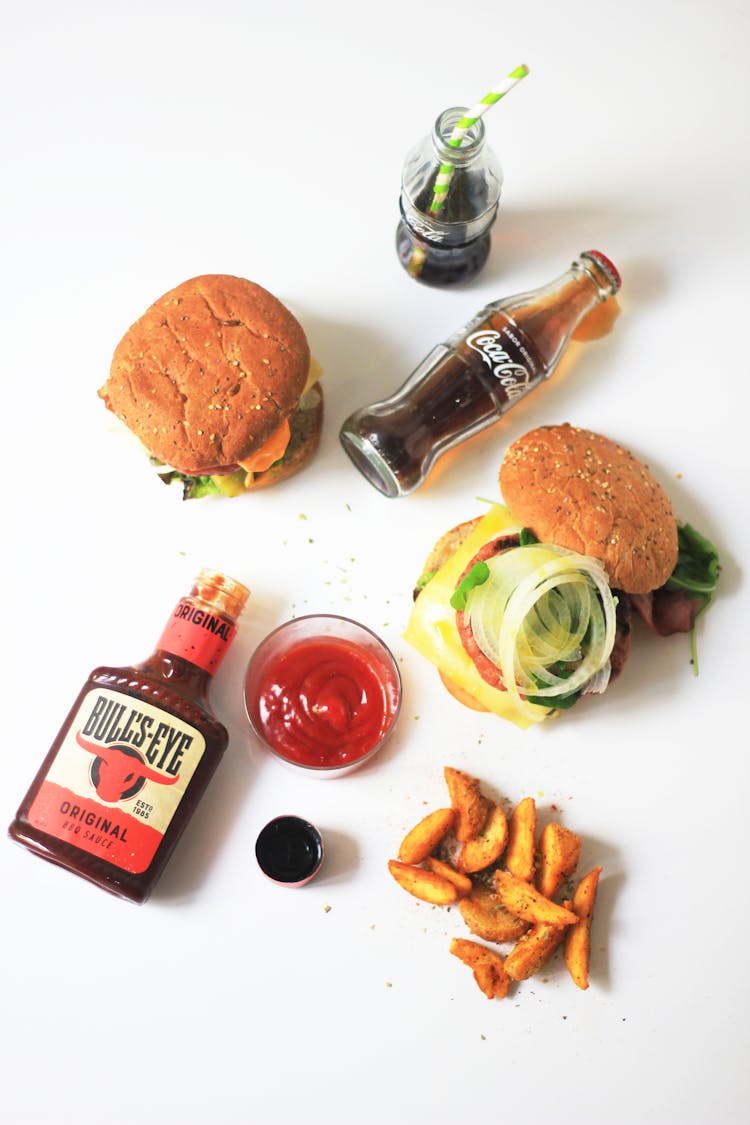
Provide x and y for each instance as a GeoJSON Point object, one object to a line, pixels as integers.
{"type": "Point", "coordinates": [512, 375]}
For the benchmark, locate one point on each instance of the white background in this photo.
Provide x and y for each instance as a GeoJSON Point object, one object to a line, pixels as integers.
{"type": "Point", "coordinates": [148, 142]}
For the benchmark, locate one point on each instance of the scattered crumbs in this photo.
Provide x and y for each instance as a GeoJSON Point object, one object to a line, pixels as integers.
{"type": "Point", "coordinates": [416, 716]}
{"type": "Point", "coordinates": [679, 476]}
{"type": "Point", "coordinates": [326, 908]}
{"type": "Point", "coordinates": [565, 1017]}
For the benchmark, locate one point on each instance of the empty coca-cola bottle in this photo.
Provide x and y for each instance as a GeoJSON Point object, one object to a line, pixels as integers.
{"type": "Point", "coordinates": [466, 383]}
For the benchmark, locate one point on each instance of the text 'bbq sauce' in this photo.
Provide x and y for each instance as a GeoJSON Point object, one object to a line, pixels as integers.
{"type": "Point", "coordinates": [136, 752]}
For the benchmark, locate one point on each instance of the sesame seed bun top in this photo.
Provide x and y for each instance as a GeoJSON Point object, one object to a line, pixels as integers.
{"type": "Point", "coordinates": [208, 372]}
{"type": "Point", "coordinates": [580, 490]}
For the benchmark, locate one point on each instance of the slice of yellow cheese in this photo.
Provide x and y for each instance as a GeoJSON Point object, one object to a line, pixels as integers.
{"type": "Point", "coordinates": [432, 629]}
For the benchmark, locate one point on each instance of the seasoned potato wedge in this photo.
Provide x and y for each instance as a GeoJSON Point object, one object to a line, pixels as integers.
{"type": "Point", "coordinates": [470, 805]}
{"type": "Point", "coordinates": [507, 879]}
{"type": "Point", "coordinates": [423, 884]}
{"type": "Point", "coordinates": [525, 901]}
{"type": "Point", "coordinates": [461, 882]}
{"type": "Point", "coordinates": [486, 916]}
{"type": "Point", "coordinates": [483, 850]}
{"type": "Point", "coordinates": [534, 949]}
{"type": "Point", "coordinates": [559, 851]}
{"type": "Point", "coordinates": [489, 972]}
{"type": "Point", "coordinates": [520, 853]}
{"type": "Point", "coordinates": [578, 937]}
{"type": "Point", "coordinates": [424, 837]}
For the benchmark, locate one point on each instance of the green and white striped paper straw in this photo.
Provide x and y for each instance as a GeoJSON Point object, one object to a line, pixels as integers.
{"type": "Point", "coordinates": [445, 172]}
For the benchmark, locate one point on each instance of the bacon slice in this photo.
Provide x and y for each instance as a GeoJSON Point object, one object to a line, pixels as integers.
{"type": "Point", "coordinates": [667, 611]}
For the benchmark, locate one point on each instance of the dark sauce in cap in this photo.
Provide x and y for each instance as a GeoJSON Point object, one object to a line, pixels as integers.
{"type": "Point", "coordinates": [289, 850]}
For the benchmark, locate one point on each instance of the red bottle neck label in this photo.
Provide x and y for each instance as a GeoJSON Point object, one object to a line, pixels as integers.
{"type": "Point", "coordinates": [198, 635]}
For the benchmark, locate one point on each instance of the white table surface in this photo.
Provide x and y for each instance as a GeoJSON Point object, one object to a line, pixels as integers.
{"type": "Point", "coordinates": [146, 143]}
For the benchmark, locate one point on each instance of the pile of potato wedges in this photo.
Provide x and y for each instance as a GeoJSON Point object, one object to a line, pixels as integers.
{"type": "Point", "coordinates": [505, 879]}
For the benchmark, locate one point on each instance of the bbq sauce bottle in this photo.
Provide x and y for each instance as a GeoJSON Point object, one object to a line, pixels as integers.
{"type": "Point", "coordinates": [136, 752]}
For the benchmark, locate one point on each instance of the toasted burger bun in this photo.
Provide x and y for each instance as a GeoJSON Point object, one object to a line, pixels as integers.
{"type": "Point", "coordinates": [579, 490]}
{"type": "Point", "coordinates": [215, 371]}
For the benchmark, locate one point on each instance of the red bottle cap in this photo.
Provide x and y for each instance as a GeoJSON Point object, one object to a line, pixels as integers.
{"type": "Point", "coordinates": [609, 268]}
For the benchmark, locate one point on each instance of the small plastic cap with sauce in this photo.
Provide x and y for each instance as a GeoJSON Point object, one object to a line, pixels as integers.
{"type": "Point", "coordinates": [289, 851]}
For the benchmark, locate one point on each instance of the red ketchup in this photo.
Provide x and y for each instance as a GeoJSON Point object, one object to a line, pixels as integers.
{"type": "Point", "coordinates": [322, 701]}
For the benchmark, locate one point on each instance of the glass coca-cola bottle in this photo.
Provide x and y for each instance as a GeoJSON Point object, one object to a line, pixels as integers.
{"type": "Point", "coordinates": [136, 752]}
{"type": "Point", "coordinates": [443, 236]}
{"type": "Point", "coordinates": [466, 383]}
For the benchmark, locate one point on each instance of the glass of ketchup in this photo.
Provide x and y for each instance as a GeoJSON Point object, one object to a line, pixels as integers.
{"type": "Point", "coordinates": [322, 693]}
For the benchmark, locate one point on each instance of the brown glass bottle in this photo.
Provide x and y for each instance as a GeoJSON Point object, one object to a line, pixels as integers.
{"type": "Point", "coordinates": [136, 753]}
{"type": "Point", "coordinates": [467, 383]}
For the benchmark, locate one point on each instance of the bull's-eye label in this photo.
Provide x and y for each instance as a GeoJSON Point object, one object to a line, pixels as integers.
{"type": "Point", "coordinates": [118, 778]}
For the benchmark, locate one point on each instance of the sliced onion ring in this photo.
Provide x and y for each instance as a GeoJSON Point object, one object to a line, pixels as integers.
{"type": "Point", "coordinates": [544, 606]}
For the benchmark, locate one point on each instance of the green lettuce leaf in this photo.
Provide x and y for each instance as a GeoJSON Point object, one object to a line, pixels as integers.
{"type": "Point", "coordinates": [478, 574]}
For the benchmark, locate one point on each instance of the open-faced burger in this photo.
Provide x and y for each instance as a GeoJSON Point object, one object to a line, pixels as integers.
{"type": "Point", "coordinates": [528, 608]}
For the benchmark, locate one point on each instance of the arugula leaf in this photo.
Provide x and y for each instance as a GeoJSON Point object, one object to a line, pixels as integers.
{"type": "Point", "coordinates": [478, 574]}
{"type": "Point", "coordinates": [698, 566]}
{"type": "Point", "coordinates": [696, 571]}
{"type": "Point", "coordinates": [559, 703]}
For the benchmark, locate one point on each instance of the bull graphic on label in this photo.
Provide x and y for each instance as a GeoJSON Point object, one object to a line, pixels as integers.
{"type": "Point", "coordinates": [119, 772]}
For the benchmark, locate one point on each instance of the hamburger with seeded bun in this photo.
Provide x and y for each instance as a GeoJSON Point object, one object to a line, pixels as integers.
{"type": "Point", "coordinates": [582, 491]}
{"type": "Point", "coordinates": [217, 382]}
{"type": "Point", "coordinates": [528, 608]}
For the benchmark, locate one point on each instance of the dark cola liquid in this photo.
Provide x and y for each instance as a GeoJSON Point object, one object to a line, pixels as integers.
{"type": "Point", "coordinates": [455, 256]}
{"type": "Point", "coordinates": [455, 393]}
{"type": "Point", "coordinates": [438, 265]}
